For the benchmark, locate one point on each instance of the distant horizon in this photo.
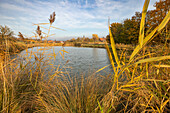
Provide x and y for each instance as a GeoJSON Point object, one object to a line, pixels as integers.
{"type": "Point", "coordinates": [78, 17]}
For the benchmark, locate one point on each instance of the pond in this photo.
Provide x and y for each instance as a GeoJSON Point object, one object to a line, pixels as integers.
{"type": "Point", "coordinates": [76, 60]}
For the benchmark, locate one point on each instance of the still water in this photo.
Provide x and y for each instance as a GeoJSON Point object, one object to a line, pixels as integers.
{"type": "Point", "coordinates": [76, 61]}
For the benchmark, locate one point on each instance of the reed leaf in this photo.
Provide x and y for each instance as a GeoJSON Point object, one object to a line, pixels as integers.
{"type": "Point", "coordinates": [102, 68]}
{"type": "Point", "coordinates": [49, 35]}
{"type": "Point", "coordinates": [128, 90]}
{"type": "Point", "coordinates": [41, 24]}
{"type": "Point", "coordinates": [110, 56]}
{"type": "Point", "coordinates": [64, 51]}
{"type": "Point", "coordinates": [113, 46]}
{"type": "Point", "coordinates": [130, 85]}
{"type": "Point", "coordinates": [149, 37]}
{"type": "Point", "coordinates": [153, 59]}
{"type": "Point", "coordinates": [44, 28]}
{"type": "Point", "coordinates": [164, 22]}
{"type": "Point", "coordinates": [142, 24]}
{"type": "Point", "coordinates": [163, 66]}
{"type": "Point", "coordinates": [61, 55]}
{"type": "Point", "coordinates": [164, 104]}
{"type": "Point", "coordinates": [138, 48]}
{"type": "Point", "coordinates": [44, 33]}
{"type": "Point", "coordinates": [149, 101]}
{"type": "Point", "coordinates": [33, 36]}
{"type": "Point", "coordinates": [58, 28]}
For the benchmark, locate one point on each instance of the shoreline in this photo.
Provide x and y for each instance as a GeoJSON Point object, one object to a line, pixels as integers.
{"type": "Point", "coordinates": [23, 46]}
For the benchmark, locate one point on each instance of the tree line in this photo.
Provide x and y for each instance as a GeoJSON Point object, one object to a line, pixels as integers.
{"type": "Point", "coordinates": [128, 31]}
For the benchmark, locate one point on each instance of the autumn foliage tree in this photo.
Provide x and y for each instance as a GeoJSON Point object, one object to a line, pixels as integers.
{"type": "Point", "coordinates": [128, 31]}
{"type": "Point", "coordinates": [156, 17]}
{"type": "Point", "coordinates": [95, 37]}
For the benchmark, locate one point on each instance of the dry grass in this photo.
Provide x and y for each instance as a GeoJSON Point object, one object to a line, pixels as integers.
{"type": "Point", "coordinates": [29, 87]}
{"type": "Point", "coordinates": [140, 82]}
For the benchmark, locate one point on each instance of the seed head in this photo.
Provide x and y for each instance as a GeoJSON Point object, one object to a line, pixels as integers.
{"type": "Point", "coordinates": [38, 31]}
{"type": "Point", "coordinates": [52, 18]}
{"type": "Point", "coordinates": [21, 36]}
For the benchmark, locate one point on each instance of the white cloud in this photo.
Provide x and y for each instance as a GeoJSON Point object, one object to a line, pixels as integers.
{"type": "Point", "coordinates": [81, 14]}
{"type": "Point", "coordinates": [11, 7]}
{"type": "Point", "coordinates": [7, 17]}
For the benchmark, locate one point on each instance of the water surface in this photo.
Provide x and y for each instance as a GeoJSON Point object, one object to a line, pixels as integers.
{"type": "Point", "coordinates": [78, 60]}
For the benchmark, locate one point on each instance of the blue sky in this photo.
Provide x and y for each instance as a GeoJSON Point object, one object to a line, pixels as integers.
{"type": "Point", "coordinates": [78, 17]}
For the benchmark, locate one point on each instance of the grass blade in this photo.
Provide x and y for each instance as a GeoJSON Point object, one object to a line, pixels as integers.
{"type": "Point", "coordinates": [101, 109]}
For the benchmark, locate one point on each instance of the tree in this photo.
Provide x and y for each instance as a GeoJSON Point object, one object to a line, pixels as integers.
{"type": "Point", "coordinates": [91, 40]}
{"type": "Point", "coordinates": [156, 17]}
{"type": "Point", "coordinates": [78, 39]}
{"type": "Point", "coordinates": [128, 31]}
{"type": "Point", "coordinates": [73, 40]}
{"type": "Point", "coordinates": [115, 31]}
{"type": "Point", "coordinates": [87, 40]}
{"type": "Point", "coordinates": [125, 33]}
{"type": "Point", "coordinates": [131, 31]}
{"type": "Point", "coordinates": [108, 39]}
{"type": "Point", "coordinates": [95, 37]}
